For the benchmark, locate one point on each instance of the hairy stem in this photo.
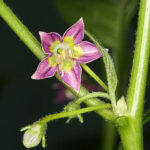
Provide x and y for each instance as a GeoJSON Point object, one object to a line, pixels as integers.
{"type": "Point", "coordinates": [60, 115]}
{"type": "Point", "coordinates": [131, 135]}
{"type": "Point", "coordinates": [92, 95]}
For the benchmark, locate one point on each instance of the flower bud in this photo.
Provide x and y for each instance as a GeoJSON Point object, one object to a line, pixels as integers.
{"type": "Point", "coordinates": [32, 137]}
{"type": "Point", "coordinates": [121, 106]}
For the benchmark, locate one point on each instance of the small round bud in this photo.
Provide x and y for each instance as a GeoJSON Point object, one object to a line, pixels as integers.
{"type": "Point", "coordinates": [32, 137]}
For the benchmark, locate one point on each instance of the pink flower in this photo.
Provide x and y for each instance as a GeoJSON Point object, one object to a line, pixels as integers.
{"type": "Point", "coordinates": [64, 55]}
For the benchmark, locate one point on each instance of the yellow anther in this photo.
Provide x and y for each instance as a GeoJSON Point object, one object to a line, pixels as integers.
{"type": "Point", "coordinates": [71, 53]}
{"type": "Point", "coordinates": [61, 65]}
{"type": "Point", "coordinates": [64, 54]}
{"type": "Point", "coordinates": [58, 59]}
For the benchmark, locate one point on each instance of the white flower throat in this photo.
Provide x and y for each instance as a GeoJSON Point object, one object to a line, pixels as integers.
{"type": "Point", "coordinates": [62, 53]}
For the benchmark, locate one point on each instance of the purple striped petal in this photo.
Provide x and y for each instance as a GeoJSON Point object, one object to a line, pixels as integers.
{"type": "Point", "coordinates": [73, 77]}
{"type": "Point", "coordinates": [76, 31]}
{"type": "Point", "coordinates": [48, 39]}
{"type": "Point", "coordinates": [90, 52]}
{"type": "Point", "coordinates": [44, 70]}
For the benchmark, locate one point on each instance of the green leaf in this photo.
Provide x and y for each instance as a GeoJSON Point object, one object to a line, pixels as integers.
{"type": "Point", "coordinates": [104, 18]}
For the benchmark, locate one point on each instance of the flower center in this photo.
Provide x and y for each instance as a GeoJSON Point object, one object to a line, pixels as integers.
{"type": "Point", "coordinates": [62, 53]}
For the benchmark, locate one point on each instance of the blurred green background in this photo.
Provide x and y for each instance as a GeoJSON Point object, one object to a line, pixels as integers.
{"type": "Point", "coordinates": [23, 101]}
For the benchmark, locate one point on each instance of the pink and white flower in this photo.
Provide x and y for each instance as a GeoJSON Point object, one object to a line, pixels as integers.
{"type": "Point", "coordinates": [64, 55]}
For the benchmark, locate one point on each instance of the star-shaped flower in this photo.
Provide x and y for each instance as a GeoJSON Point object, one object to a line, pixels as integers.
{"type": "Point", "coordinates": [64, 55]}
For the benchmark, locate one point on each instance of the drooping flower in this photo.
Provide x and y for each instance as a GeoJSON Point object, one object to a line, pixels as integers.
{"type": "Point", "coordinates": [64, 55]}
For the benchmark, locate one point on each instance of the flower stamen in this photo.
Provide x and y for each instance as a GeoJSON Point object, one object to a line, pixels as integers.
{"type": "Point", "coordinates": [58, 59]}
{"type": "Point", "coordinates": [70, 53]}
{"type": "Point", "coordinates": [64, 54]}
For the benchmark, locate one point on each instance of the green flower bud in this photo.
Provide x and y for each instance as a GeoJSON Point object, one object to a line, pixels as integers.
{"type": "Point", "coordinates": [32, 137]}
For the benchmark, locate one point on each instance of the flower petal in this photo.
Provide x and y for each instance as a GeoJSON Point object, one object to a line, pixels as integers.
{"type": "Point", "coordinates": [47, 68]}
{"type": "Point", "coordinates": [73, 77]}
{"type": "Point", "coordinates": [86, 52]}
{"type": "Point", "coordinates": [48, 39]}
{"type": "Point", "coordinates": [76, 31]}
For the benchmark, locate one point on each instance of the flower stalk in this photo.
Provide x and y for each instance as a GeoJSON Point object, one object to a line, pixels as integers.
{"type": "Point", "coordinates": [92, 95]}
{"type": "Point", "coordinates": [95, 77]}
{"type": "Point", "coordinates": [60, 115]}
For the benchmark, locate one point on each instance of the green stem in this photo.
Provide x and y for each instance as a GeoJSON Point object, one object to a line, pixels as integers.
{"type": "Point", "coordinates": [51, 117]}
{"type": "Point", "coordinates": [136, 92]}
{"type": "Point", "coordinates": [92, 95]}
{"type": "Point", "coordinates": [95, 77]}
{"type": "Point", "coordinates": [26, 36]}
{"type": "Point", "coordinates": [131, 135]}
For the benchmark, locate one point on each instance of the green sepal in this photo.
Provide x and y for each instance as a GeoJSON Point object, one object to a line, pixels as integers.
{"type": "Point", "coordinates": [71, 107]}
{"type": "Point", "coordinates": [25, 128]}
{"type": "Point", "coordinates": [43, 141]}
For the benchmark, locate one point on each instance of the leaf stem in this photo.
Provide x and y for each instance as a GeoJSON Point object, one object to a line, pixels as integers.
{"type": "Point", "coordinates": [92, 95]}
{"type": "Point", "coordinates": [51, 117]}
{"type": "Point", "coordinates": [95, 77]}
